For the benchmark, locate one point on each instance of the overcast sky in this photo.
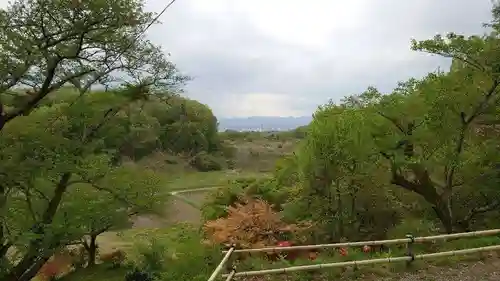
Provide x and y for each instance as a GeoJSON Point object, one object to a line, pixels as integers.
{"type": "Point", "coordinates": [286, 57]}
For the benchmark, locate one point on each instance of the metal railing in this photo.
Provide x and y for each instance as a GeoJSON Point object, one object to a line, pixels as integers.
{"type": "Point", "coordinates": [409, 241]}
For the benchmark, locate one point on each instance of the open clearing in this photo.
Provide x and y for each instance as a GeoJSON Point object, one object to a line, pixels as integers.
{"type": "Point", "coordinates": [182, 206]}
{"type": "Point", "coordinates": [177, 210]}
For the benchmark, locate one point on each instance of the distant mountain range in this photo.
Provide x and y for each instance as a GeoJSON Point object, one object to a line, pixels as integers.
{"type": "Point", "coordinates": [263, 123]}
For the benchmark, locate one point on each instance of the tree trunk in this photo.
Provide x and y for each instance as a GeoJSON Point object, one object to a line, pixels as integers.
{"type": "Point", "coordinates": [442, 212]}
{"type": "Point", "coordinates": [28, 262]}
{"type": "Point", "coordinates": [4, 244]}
{"type": "Point", "coordinates": [92, 250]}
{"type": "Point", "coordinates": [340, 207]}
{"type": "Point", "coordinates": [423, 186]}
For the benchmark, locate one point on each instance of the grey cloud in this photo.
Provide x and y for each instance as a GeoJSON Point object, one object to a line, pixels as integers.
{"type": "Point", "coordinates": [230, 57]}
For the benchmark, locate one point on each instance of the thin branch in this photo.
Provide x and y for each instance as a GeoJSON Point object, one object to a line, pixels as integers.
{"type": "Point", "coordinates": [466, 59]}
{"type": "Point", "coordinates": [481, 210]}
{"type": "Point", "coordinates": [393, 121]}
{"type": "Point", "coordinates": [488, 95]}
{"type": "Point", "coordinates": [30, 205]}
{"type": "Point", "coordinates": [116, 196]}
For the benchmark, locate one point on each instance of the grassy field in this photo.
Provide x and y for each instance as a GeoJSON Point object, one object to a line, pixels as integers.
{"type": "Point", "coordinates": [185, 207]}
{"type": "Point", "coordinates": [194, 180]}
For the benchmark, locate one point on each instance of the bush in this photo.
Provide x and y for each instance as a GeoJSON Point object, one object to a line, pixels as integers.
{"type": "Point", "coordinates": [286, 171]}
{"type": "Point", "coordinates": [205, 162]}
{"type": "Point", "coordinates": [139, 275]}
{"type": "Point", "coordinates": [252, 224]}
{"type": "Point", "coordinates": [216, 205]}
{"type": "Point", "coordinates": [218, 201]}
{"type": "Point", "coordinates": [180, 255]}
{"type": "Point", "coordinates": [153, 258]}
{"type": "Point", "coordinates": [415, 227]}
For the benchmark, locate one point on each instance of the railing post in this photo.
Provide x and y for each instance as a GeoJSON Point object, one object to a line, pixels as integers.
{"type": "Point", "coordinates": [230, 266]}
{"type": "Point", "coordinates": [409, 249]}
{"type": "Point", "coordinates": [221, 265]}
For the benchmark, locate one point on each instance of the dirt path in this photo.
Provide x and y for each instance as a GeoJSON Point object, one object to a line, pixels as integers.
{"type": "Point", "coordinates": [488, 270]}
{"type": "Point", "coordinates": [178, 210]}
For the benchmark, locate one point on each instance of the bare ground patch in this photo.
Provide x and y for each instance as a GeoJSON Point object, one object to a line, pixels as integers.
{"type": "Point", "coordinates": [487, 270]}
{"type": "Point", "coordinates": [177, 211]}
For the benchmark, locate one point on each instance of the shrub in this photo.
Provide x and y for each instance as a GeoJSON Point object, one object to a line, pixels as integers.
{"type": "Point", "coordinates": [218, 201]}
{"type": "Point", "coordinates": [286, 171]}
{"type": "Point", "coordinates": [251, 224]}
{"type": "Point", "coordinates": [5, 265]}
{"type": "Point", "coordinates": [415, 227]}
{"type": "Point", "coordinates": [179, 255]}
{"type": "Point", "coordinates": [153, 258]}
{"type": "Point", "coordinates": [205, 162]}
{"type": "Point", "coordinates": [138, 275]}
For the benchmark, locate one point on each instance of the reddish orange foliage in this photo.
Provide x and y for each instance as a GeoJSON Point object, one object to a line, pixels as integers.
{"type": "Point", "coordinates": [250, 225]}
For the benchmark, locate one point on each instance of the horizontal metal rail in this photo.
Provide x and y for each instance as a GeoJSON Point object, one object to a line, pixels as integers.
{"type": "Point", "coordinates": [361, 262]}
{"type": "Point", "coordinates": [375, 242]}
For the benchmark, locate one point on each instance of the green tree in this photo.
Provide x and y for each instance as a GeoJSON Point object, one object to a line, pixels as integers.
{"type": "Point", "coordinates": [338, 172]}
{"type": "Point", "coordinates": [93, 208]}
{"type": "Point", "coordinates": [427, 130]}
{"type": "Point", "coordinates": [52, 173]}
{"type": "Point", "coordinates": [46, 150]}
{"type": "Point", "coordinates": [187, 126]}
{"type": "Point", "coordinates": [439, 138]}
{"type": "Point", "coordinates": [47, 44]}
{"type": "Point", "coordinates": [434, 136]}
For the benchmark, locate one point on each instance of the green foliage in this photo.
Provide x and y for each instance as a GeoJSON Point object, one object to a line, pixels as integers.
{"type": "Point", "coordinates": [424, 137]}
{"type": "Point", "coordinates": [152, 258]}
{"type": "Point", "coordinates": [55, 43]}
{"type": "Point", "coordinates": [266, 189]}
{"type": "Point", "coordinates": [249, 136]}
{"type": "Point", "coordinates": [286, 171]}
{"type": "Point", "coordinates": [35, 174]}
{"type": "Point", "coordinates": [179, 256]}
{"type": "Point", "coordinates": [413, 226]}
{"type": "Point", "coordinates": [205, 162]}
{"type": "Point", "coordinates": [337, 174]}
{"type": "Point", "coordinates": [187, 126]}
{"type": "Point", "coordinates": [61, 147]}
{"type": "Point", "coordinates": [421, 159]}
{"type": "Point", "coordinates": [237, 135]}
